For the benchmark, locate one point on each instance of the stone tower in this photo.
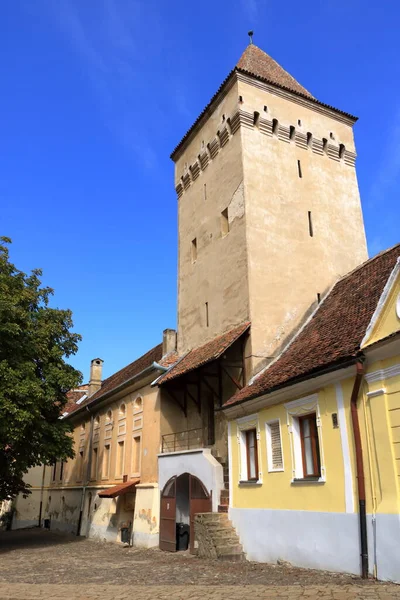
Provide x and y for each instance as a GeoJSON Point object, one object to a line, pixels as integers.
{"type": "Point", "coordinates": [269, 208]}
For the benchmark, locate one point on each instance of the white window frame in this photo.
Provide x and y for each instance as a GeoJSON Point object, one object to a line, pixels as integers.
{"type": "Point", "coordinates": [295, 409]}
{"type": "Point", "coordinates": [269, 446]}
{"type": "Point", "coordinates": [245, 424]}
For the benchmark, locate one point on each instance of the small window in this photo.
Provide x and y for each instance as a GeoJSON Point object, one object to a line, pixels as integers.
{"type": "Point", "coordinates": [240, 99]}
{"type": "Point", "coordinates": [274, 446]}
{"type": "Point", "coordinates": [207, 315]}
{"type": "Point", "coordinates": [120, 458]}
{"type": "Point", "coordinates": [251, 454]}
{"type": "Point", "coordinates": [224, 222]}
{"type": "Point", "coordinates": [292, 133]}
{"type": "Point", "coordinates": [122, 410]}
{"type": "Point", "coordinates": [310, 446]}
{"type": "Point", "coordinates": [136, 452]}
{"type": "Point", "coordinates": [299, 122]}
{"type": "Point", "coordinates": [81, 465]}
{"type": "Point", "coordinates": [331, 135]}
{"type": "Point", "coordinates": [223, 118]}
{"type": "Point", "coordinates": [299, 169]}
{"type": "Point", "coordinates": [138, 405]}
{"type": "Point", "coordinates": [275, 126]}
{"type": "Point", "coordinates": [342, 150]}
{"type": "Point", "coordinates": [309, 139]}
{"type": "Point", "coordinates": [205, 191]}
{"type": "Point", "coordinates": [194, 250]}
{"type": "Point", "coordinates": [95, 456]}
{"type": "Point", "coordinates": [310, 224]}
{"type": "Point", "coordinates": [266, 108]}
{"type": "Point", "coordinates": [318, 298]}
{"type": "Point", "coordinates": [256, 119]}
{"type": "Point", "coordinates": [324, 145]}
{"type": "Point", "coordinates": [109, 416]}
{"type": "Point", "coordinates": [106, 461]}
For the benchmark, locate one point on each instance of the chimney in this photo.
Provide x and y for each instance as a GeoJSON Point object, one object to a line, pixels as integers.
{"type": "Point", "coordinates": [169, 341]}
{"type": "Point", "coordinates": [96, 368]}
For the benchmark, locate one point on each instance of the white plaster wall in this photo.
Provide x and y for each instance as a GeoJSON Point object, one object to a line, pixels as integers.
{"type": "Point", "coordinates": [199, 463]}
{"type": "Point", "coordinates": [147, 513]}
{"type": "Point", "coordinates": [315, 540]}
{"type": "Point", "coordinates": [387, 547]}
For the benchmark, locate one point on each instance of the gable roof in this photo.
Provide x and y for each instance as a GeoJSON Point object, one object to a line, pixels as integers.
{"type": "Point", "coordinates": [121, 378]}
{"type": "Point", "coordinates": [334, 333]}
{"type": "Point", "coordinates": [259, 63]}
{"type": "Point", "coordinates": [204, 354]}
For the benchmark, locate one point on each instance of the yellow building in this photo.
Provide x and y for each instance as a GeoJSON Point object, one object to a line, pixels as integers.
{"type": "Point", "coordinates": [314, 439]}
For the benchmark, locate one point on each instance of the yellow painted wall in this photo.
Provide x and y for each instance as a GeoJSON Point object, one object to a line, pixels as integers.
{"type": "Point", "coordinates": [388, 321]}
{"type": "Point", "coordinates": [277, 490]}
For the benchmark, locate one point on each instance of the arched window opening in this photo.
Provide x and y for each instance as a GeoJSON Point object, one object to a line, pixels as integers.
{"type": "Point", "coordinates": [275, 126]}
{"type": "Point", "coordinates": [138, 405]}
{"type": "Point", "coordinates": [309, 139]}
{"type": "Point", "coordinates": [122, 410]}
{"type": "Point", "coordinates": [342, 150]}
{"type": "Point", "coordinates": [325, 145]}
{"type": "Point", "coordinates": [256, 118]}
{"type": "Point", "coordinates": [292, 133]}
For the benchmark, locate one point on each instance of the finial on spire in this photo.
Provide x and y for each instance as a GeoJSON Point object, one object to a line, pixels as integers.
{"type": "Point", "coordinates": [250, 34]}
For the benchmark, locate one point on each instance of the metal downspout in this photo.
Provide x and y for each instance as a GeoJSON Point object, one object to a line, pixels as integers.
{"type": "Point", "coordinates": [373, 483]}
{"type": "Point", "coordinates": [88, 469]}
{"type": "Point", "coordinates": [41, 497]}
{"type": "Point", "coordinates": [360, 469]}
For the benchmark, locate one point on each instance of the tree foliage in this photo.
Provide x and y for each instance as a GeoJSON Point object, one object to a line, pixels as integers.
{"type": "Point", "coordinates": [35, 339]}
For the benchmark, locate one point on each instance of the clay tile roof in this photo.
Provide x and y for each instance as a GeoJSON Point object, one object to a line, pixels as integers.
{"type": "Point", "coordinates": [204, 354]}
{"type": "Point", "coordinates": [334, 333]}
{"type": "Point", "coordinates": [118, 490]}
{"type": "Point", "coordinates": [123, 376]}
{"type": "Point", "coordinates": [259, 63]}
{"type": "Point", "coordinates": [73, 396]}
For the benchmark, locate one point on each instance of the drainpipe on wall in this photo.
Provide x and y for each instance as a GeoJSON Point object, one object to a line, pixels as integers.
{"type": "Point", "coordinates": [41, 497]}
{"type": "Point", "coordinates": [88, 470]}
{"type": "Point", "coordinates": [360, 470]}
{"type": "Point", "coordinates": [373, 485]}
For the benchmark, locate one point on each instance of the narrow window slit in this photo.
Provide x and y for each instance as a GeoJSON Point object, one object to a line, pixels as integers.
{"type": "Point", "coordinates": [318, 298]}
{"type": "Point", "coordinates": [256, 119]}
{"type": "Point", "coordinates": [207, 315]}
{"type": "Point", "coordinates": [309, 139]}
{"type": "Point", "coordinates": [275, 126]}
{"type": "Point", "coordinates": [310, 224]}
{"type": "Point", "coordinates": [194, 250]}
{"type": "Point", "coordinates": [292, 133]}
{"type": "Point", "coordinates": [299, 169]}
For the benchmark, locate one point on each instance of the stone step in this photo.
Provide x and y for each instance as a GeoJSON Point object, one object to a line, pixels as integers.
{"type": "Point", "coordinates": [223, 508]}
{"type": "Point", "coordinates": [224, 537]}
{"type": "Point", "coordinates": [212, 517]}
{"type": "Point", "coordinates": [233, 557]}
{"type": "Point", "coordinates": [228, 548]}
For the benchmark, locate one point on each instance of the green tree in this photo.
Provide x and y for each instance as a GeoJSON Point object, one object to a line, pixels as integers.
{"type": "Point", "coordinates": [35, 339]}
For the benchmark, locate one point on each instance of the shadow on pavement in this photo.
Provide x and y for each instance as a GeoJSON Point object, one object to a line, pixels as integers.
{"type": "Point", "coordinates": [34, 538]}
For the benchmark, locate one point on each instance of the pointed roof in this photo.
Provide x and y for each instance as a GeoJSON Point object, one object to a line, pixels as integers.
{"type": "Point", "coordinates": [259, 63]}
{"type": "Point", "coordinates": [334, 334]}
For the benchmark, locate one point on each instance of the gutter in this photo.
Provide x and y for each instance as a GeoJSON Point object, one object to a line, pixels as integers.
{"type": "Point", "coordinates": [360, 469]}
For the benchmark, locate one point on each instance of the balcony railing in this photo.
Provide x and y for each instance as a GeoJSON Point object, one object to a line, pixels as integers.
{"type": "Point", "coordinates": [182, 440]}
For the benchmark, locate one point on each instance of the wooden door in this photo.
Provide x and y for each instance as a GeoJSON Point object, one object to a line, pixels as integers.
{"type": "Point", "coordinates": [200, 502]}
{"type": "Point", "coordinates": [168, 517]}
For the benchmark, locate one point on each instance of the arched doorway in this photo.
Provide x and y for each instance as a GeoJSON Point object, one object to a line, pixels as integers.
{"type": "Point", "coordinates": [182, 498]}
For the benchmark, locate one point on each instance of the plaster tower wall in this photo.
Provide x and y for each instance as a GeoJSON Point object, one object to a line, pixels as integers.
{"type": "Point", "coordinates": [218, 275]}
{"type": "Point", "coordinates": [304, 225]}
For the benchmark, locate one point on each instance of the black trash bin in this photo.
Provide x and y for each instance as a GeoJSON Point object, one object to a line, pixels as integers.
{"type": "Point", "coordinates": [125, 535]}
{"type": "Point", "coordinates": [182, 536]}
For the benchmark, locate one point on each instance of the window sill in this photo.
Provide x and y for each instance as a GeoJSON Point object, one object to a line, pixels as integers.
{"type": "Point", "coordinates": [308, 480]}
{"type": "Point", "coordinates": [276, 470]}
{"type": "Point", "coordinates": [250, 483]}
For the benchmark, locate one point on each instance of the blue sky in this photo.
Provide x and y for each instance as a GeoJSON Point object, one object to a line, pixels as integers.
{"type": "Point", "coordinates": [97, 93]}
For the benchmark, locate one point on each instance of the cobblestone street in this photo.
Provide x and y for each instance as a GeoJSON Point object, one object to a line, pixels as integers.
{"type": "Point", "coordinates": [39, 564]}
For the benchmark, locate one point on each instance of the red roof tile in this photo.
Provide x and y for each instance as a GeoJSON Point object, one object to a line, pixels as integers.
{"type": "Point", "coordinates": [123, 376]}
{"type": "Point", "coordinates": [204, 354]}
{"type": "Point", "coordinates": [118, 490]}
{"type": "Point", "coordinates": [335, 331]}
{"type": "Point", "coordinates": [256, 61]}
{"type": "Point", "coordinates": [73, 396]}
